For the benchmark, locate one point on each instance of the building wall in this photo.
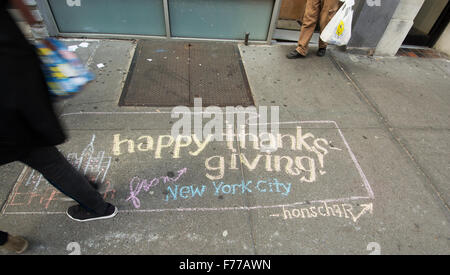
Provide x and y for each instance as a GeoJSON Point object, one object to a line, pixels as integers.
{"type": "Point", "coordinates": [398, 28]}
{"type": "Point", "coordinates": [370, 22]}
{"type": "Point", "coordinates": [443, 44]}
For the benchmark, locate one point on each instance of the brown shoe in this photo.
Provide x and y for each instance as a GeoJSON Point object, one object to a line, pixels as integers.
{"type": "Point", "coordinates": [16, 244]}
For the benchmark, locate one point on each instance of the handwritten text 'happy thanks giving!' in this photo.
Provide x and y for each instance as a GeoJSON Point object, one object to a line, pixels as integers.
{"type": "Point", "coordinates": [304, 166]}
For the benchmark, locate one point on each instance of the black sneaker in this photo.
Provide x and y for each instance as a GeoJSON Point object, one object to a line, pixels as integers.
{"type": "Point", "coordinates": [294, 54]}
{"type": "Point", "coordinates": [321, 52]}
{"type": "Point", "coordinates": [80, 214]}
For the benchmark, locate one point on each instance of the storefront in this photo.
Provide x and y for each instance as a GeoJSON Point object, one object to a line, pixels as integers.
{"type": "Point", "coordinates": [379, 26]}
{"type": "Point", "coordinates": [199, 19]}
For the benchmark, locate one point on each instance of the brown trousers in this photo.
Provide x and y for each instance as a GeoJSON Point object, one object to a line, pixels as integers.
{"type": "Point", "coordinates": [317, 11]}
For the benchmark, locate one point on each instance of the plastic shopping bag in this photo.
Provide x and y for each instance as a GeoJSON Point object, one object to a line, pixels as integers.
{"type": "Point", "coordinates": [339, 29]}
{"type": "Point", "coordinates": [63, 70]}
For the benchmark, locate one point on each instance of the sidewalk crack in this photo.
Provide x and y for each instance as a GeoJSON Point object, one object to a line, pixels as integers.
{"type": "Point", "coordinates": [391, 130]}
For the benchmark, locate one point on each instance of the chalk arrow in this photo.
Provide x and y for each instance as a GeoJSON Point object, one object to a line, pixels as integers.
{"type": "Point", "coordinates": [366, 208]}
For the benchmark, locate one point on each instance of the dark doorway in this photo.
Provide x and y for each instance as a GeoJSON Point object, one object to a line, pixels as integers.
{"type": "Point", "coordinates": [429, 23]}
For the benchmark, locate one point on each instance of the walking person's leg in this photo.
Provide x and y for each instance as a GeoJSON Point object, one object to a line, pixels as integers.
{"type": "Point", "coordinates": [62, 175]}
{"type": "Point", "coordinates": [310, 20]}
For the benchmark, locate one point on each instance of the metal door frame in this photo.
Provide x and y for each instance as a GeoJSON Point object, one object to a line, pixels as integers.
{"type": "Point", "coordinates": [53, 29]}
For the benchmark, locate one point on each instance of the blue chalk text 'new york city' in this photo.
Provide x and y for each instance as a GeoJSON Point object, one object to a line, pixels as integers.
{"type": "Point", "coordinates": [176, 192]}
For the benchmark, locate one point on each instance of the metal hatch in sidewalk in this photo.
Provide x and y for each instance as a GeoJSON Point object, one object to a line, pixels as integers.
{"type": "Point", "coordinates": [173, 73]}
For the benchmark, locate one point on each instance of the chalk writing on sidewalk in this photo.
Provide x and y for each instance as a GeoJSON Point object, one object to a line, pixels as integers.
{"type": "Point", "coordinates": [324, 209]}
{"type": "Point", "coordinates": [312, 165]}
{"type": "Point", "coordinates": [304, 166]}
{"type": "Point", "coordinates": [137, 184]}
{"type": "Point", "coordinates": [301, 161]}
{"type": "Point", "coordinates": [299, 167]}
{"type": "Point", "coordinates": [176, 192]}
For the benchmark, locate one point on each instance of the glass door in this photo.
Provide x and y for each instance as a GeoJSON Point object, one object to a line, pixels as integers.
{"type": "Point", "coordinates": [220, 19]}
{"type": "Point", "coordinates": [136, 17]}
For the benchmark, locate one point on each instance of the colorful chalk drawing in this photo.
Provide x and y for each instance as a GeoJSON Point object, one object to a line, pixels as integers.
{"type": "Point", "coordinates": [291, 181]}
{"type": "Point", "coordinates": [32, 189]}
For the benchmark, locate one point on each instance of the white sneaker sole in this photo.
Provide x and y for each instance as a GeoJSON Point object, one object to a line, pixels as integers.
{"type": "Point", "coordinates": [96, 218]}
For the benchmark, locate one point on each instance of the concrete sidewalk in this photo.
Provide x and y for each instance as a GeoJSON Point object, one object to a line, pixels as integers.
{"type": "Point", "coordinates": [363, 168]}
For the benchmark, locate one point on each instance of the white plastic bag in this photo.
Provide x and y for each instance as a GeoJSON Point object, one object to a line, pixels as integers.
{"type": "Point", "coordinates": [339, 29]}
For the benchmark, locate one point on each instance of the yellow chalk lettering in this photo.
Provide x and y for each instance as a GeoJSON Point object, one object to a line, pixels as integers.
{"type": "Point", "coordinates": [147, 145]}
{"type": "Point", "coordinates": [201, 146]}
{"type": "Point", "coordinates": [220, 167]}
{"type": "Point", "coordinates": [117, 142]}
{"type": "Point", "coordinates": [160, 145]}
{"type": "Point", "coordinates": [179, 143]}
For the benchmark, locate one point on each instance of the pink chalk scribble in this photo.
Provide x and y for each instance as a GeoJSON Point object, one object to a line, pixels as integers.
{"type": "Point", "coordinates": [147, 184]}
